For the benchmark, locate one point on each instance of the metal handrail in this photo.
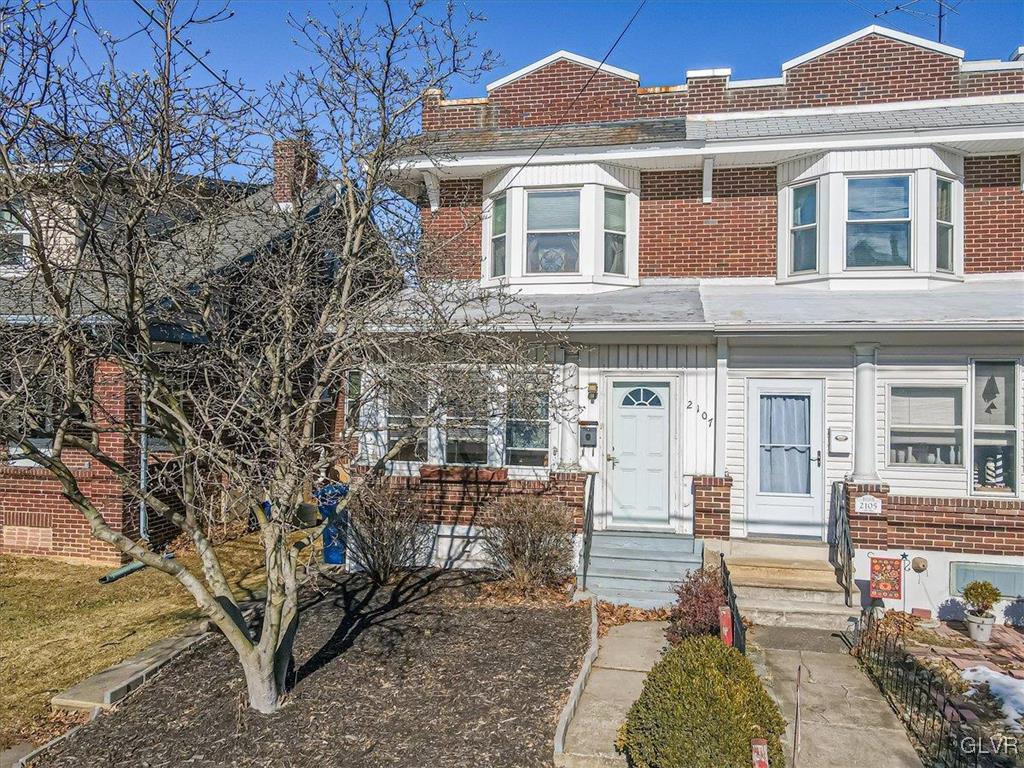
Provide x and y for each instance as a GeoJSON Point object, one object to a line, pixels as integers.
{"type": "Point", "coordinates": [842, 540]}
{"type": "Point", "coordinates": [739, 632]}
{"type": "Point", "coordinates": [588, 529]}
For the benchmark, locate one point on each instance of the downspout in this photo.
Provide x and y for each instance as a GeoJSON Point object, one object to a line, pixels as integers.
{"type": "Point", "coordinates": [144, 464]}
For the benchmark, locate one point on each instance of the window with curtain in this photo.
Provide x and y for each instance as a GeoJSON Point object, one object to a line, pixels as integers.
{"type": "Point", "coordinates": [526, 430]}
{"type": "Point", "coordinates": [803, 229]}
{"type": "Point", "coordinates": [944, 225]}
{"type": "Point", "coordinates": [14, 238]}
{"type": "Point", "coordinates": [878, 221]}
{"type": "Point", "coordinates": [614, 233]}
{"type": "Point", "coordinates": [498, 240]}
{"type": "Point", "coordinates": [553, 231]}
{"type": "Point", "coordinates": [785, 444]}
{"type": "Point", "coordinates": [926, 426]}
{"type": "Point", "coordinates": [995, 427]}
{"type": "Point", "coordinates": [406, 418]}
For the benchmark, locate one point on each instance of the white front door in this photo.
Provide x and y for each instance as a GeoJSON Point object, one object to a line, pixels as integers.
{"type": "Point", "coordinates": [638, 455]}
{"type": "Point", "coordinates": [784, 458]}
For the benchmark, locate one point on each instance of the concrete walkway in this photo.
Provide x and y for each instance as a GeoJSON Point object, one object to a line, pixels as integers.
{"type": "Point", "coordinates": [625, 656]}
{"type": "Point", "coordinates": [845, 719]}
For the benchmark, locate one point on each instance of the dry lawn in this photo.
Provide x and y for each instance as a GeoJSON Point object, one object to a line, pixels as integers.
{"type": "Point", "coordinates": [58, 625]}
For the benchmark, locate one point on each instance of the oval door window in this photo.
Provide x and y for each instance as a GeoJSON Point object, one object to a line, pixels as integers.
{"type": "Point", "coordinates": [642, 397]}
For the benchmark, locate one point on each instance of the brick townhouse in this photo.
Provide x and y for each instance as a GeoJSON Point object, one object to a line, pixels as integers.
{"type": "Point", "coordinates": [798, 308]}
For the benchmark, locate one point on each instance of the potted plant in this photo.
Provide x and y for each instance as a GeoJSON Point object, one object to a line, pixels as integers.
{"type": "Point", "coordinates": [980, 596]}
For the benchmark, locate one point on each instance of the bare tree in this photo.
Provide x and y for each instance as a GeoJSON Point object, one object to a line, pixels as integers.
{"type": "Point", "coordinates": [238, 321]}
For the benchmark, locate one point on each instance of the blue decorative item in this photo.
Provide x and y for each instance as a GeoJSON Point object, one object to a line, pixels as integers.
{"type": "Point", "coordinates": [336, 531]}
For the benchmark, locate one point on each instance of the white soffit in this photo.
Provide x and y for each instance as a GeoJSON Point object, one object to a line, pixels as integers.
{"type": "Point", "coordinates": [563, 56]}
{"type": "Point", "coordinates": [875, 29]}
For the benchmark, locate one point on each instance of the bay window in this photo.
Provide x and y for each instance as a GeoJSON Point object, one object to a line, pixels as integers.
{"type": "Point", "coordinates": [614, 233]}
{"type": "Point", "coordinates": [803, 228]}
{"type": "Point", "coordinates": [553, 231]}
{"type": "Point", "coordinates": [994, 436]}
{"type": "Point", "coordinates": [926, 426]}
{"type": "Point", "coordinates": [878, 221]}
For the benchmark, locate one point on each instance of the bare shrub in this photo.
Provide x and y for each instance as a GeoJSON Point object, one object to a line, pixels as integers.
{"type": "Point", "coordinates": [530, 541]}
{"type": "Point", "coordinates": [696, 608]}
{"type": "Point", "coordinates": [386, 535]}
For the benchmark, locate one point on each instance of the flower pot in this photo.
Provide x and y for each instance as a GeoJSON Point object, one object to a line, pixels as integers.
{"type": "Point", "coordinates": [980, 627]}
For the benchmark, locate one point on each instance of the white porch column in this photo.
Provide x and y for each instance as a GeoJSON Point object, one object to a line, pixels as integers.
{"type": "Point", "coordinates": [865, 437]}
{"type": "Point", "coordinates": [721, 404]}
{"type": "Point", "coordinates": [569, 448]}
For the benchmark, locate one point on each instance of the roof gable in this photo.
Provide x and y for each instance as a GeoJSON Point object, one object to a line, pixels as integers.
{"type": "Point", "coordinates": [874, 29]}
{"type": "Point", "coordinates": [563, 56]}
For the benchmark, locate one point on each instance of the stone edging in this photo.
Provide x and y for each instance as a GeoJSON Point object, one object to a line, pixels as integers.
{"type": "Point", "coordinates": [580, 683]}
{"type": "Point", "coordinates": [116, 682]}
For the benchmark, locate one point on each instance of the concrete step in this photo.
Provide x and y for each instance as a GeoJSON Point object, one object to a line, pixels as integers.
{"type": "Point", "coordinates": [795, 613]}
{"type": "Point", "coordinates": [785, 579]}
{"type": "Point", "coordinates": [631, 567]}
{"type": "Point", "coordinates": [661, 546]}
{"type": "Point", "coordinates": [767, 594]}
{"type": "Point", "coordinates": [774, 564]}
{"type": "Point", "coordinates": [773, 549]}
{"type": "Point", "coordinates": [599, 583]}
{"type": "Point", "coordinates": [638, 598]}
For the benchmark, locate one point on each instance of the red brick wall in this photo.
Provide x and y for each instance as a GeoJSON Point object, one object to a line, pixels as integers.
{"type": "Point", "coordinates": [982, 526]}
{"type": "Point", "coordinates": [712, 506]}
{"type": "Point", "coordinates": [871, 70]}
{"type": "Point", "coordinates": [463, 502]}
{"type": "Point", "coordinates": [993, 214]}
{"type": "Point", "coordinates": [451, 234]}
{"type": "Point", "coordinates": [36, 519]}
{"type": "Point", "coordinates": [732, 236]}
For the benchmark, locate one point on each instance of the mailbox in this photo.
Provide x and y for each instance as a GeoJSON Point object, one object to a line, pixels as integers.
{"type": "Point", "coordinates": [588, 434]}
{"type": "Point", "coordinates": [839, 441]}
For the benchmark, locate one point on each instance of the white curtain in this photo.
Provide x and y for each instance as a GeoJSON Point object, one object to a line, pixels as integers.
{"type": "Point", "coordinates": [785, 444]}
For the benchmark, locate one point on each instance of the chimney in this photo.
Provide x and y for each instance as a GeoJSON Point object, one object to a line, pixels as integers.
{"type": "Point", "coordinates": [294, 168]}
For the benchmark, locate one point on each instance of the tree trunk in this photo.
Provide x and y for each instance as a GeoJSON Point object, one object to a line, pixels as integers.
{"type": "Point", "coordinates": [266, 691]}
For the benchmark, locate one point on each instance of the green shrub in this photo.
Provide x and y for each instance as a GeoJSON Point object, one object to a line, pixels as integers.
{"type": "Point", "coordinates": [699, 708]}
{"type": "Point", "coordinates": [980, 596]}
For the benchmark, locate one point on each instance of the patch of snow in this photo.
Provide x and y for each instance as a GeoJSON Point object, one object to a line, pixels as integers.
{"type": "Point", "coordinates": [1008, 689]}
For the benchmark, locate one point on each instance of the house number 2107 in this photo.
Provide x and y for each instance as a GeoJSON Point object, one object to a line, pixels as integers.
{"type": "Point", "coordinates": [698, 411]}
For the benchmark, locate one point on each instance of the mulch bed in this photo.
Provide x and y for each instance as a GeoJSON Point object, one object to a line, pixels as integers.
{"type": "Point", "coordinates": [424, 673]}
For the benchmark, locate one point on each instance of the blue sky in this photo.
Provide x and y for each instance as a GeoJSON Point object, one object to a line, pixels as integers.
{"type": "Point", "coordinates": [752, 37]}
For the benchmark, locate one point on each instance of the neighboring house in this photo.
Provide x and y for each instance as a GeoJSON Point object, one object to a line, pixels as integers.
{"type": "Point", "coordinates": [35, 518]}
{"type": "Point", "coordinates": [791, 294]}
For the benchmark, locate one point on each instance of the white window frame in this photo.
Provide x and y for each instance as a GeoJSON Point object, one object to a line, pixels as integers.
{"type": "Point", "coordinates": [909, 221]}
{"type": "Point", "coordinates": [605, 231]}
{"type": "Point", "coordinates": [14, 228]}
{"type": "Point", "coordinates": [1016, 429]}
{"type": "Point", "coordinates": [791, 251]}
{"type": "Point", "coordinates": [527, 232]}
{"type": "Point", "coordinates": [943, 179]}
{"type": "Point", "coordinates": [890, 426]}
{"type": "Point", "coordinates": [492, 236]}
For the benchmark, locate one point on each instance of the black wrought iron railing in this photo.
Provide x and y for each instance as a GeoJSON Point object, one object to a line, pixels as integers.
{"type": "Point", "coordinates": [588, 529]}
{"type": "Point", "coordinates": [739, 632]}
{"type": "Point", "coordinates": [841, 541]}
{"type": "Point", "coordinates": [947, 733]}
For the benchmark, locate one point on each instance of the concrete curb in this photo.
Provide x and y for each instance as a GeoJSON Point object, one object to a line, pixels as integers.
{"type": "Point", "coordinates": [580, 683]}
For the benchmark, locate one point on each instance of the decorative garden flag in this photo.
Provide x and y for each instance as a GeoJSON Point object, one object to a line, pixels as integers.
{"type": "Point", "coordinates": [886, 578]}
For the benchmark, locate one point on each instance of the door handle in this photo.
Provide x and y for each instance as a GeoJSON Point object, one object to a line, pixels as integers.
{"type": "Point", "coordinates": [817, 459]}
{"type": "Point", "coordinates": [611, 457]}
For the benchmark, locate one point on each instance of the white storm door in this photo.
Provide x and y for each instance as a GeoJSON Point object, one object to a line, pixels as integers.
{"type": "Point", "coordinates": [784, 458]}
{"type": "Point", "coordinates": [638, 455]}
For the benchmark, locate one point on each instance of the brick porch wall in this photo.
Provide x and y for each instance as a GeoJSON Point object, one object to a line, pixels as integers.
{"type": "Point", "coordinates": [712, 506]}
{"type": "Point", "coordinates": [465, 502]}
{"type": "Point", "coordinates": [969, 525]}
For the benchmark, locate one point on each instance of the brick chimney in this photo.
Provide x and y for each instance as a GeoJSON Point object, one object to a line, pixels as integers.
{"type": "Point", "coordinates": [295, 165]}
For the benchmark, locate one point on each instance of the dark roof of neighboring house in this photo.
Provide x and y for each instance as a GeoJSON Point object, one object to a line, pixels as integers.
{"type": "Point", "coordinates": [592, 135]}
